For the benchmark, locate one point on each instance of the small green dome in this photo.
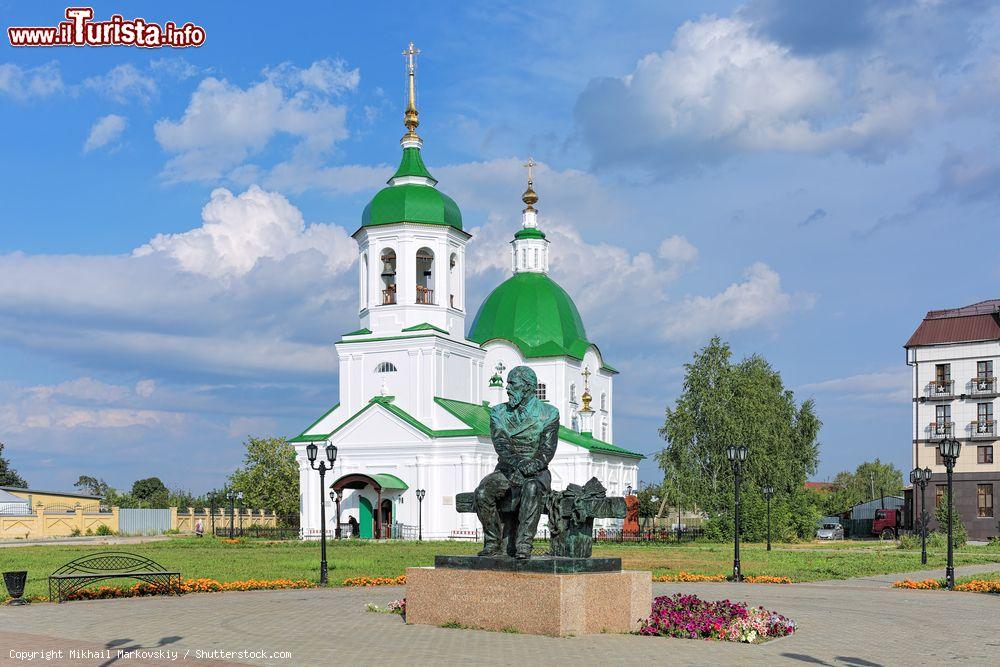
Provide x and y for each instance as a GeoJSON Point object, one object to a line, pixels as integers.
{"type": "Point", "coordinates": [534, 313]}
{"type": "Point", "coordinates": [414, 201]}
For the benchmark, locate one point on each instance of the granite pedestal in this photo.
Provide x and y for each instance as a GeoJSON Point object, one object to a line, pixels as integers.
{"type": "Point", "coordinates": [532, 598]}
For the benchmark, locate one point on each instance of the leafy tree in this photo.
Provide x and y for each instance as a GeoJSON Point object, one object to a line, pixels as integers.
{"type": "Point", "coordinates": [150, 492]}
{"type": "Point", "coordinates": [851, 488]}
{"type": "Point", "coordinates": [9, 476]}
{"type": "Point", "coordinates": [746, 403]}
{"type": "Point", "coordinates": [958, 534]}
{"type": "Point", "coordinates": [269, 478]}
{"type": "Point", "coordinates": [92, 486]}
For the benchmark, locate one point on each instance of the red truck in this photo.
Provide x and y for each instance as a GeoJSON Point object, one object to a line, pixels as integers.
{"type": "Point", "coordinates": [887, 523]}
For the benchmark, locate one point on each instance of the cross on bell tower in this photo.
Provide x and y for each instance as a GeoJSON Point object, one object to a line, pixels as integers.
{"type": "Point", "coordinates": [412, 118]}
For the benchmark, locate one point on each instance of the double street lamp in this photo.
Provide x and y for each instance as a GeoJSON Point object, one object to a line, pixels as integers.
{"type": "Point", "coordinates": [920, 477]}
{"type": "Point", "coordinates": [737, 455]}
{"type": "Point", "coordinates": [232, 497]}
{"type": "Point", "coordinates": [331, 456]}
{"type": "Point", "coordinates": [420, 513]}
{"type": "Point", "coordinates": [949, 449]}
{"type": "Point", "coordinates": [768, 492]}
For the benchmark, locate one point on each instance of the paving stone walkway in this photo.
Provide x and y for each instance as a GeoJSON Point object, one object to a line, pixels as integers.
{"type": "Point", "coordinates": [865, 625]}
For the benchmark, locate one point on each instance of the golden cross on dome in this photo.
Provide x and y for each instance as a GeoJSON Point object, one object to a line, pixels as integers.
{"type": "Point", "coordinates": [530, 164]}
{"type": "Point", "coordinates": [586, 377]}
{"type": "Point", "coordinates": [411, 121]}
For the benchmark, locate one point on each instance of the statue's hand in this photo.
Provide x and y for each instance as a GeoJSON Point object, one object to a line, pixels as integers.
{"type": "Point", "coordinates": [516, 478]}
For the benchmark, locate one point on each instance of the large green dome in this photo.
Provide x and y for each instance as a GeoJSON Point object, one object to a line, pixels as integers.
{"type": "Point", "coordinates": [415, 199]}
{"type": "Point", "coordinates": [534, 313]}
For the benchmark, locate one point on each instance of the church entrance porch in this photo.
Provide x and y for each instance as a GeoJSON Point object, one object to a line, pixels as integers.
{"type": "Point", "coordinates": [375, 519]}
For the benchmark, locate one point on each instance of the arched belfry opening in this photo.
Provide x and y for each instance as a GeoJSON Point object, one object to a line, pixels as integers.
{"type": "Point", "coordinates": [388, 258]}
{"type": "Point", "coordinates": [425, 276]}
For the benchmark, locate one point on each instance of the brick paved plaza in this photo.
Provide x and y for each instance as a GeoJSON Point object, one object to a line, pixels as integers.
{"type": "Point", "coordinates": [861, 623]}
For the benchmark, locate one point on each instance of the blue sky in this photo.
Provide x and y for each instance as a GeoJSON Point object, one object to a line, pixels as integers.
{"type": "Point", "coordinates": [174, 224]}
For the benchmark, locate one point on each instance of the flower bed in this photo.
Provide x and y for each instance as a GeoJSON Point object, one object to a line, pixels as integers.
{"type": "Point", "coordinates": [690, 617]}
{"type": "Point", "coordinates": [143, 589]}
{"type": "Point", "coordinates": [973, 586]}
{"type": "Point", "coordinates": [375, 581]}
{"type": "Point", "coordinates": [687, 577]}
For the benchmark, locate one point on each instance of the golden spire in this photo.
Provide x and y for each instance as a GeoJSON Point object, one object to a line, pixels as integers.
{"type": "Point", "coordinates": [411, 118]}
{"type": "Point", "coordinates": [586, 398]}
{"type": "Point", "coordinates": [529, 197]}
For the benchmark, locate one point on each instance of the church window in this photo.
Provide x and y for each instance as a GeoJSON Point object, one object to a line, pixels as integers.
{"type": "Point", "coordinates": [425, 276]}
{"type": "Point", "coordinates": [572, 392]}
{"type": "Point", "coordinates": [540, 392]}
{"type": "Point", "coordinates": [604, 430]}
{"type": "Point", "coordinates": [364, 280]}
{"type": "Point", "coordinates": [386, 367]}
{"type": "Point", "coordinates": [388, 258]}
{"type": "Point", "coordinates": [604, 401]}
{"type": "Point", "coordinates": [535, 261]}
{"type": "Point", "coordinates": [575, 423]}
{"type": "Point", "coordinates": [453, 282]}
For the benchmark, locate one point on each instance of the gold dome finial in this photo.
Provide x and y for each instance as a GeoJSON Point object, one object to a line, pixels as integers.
{"type": "Point", "coordinates": [530, 197]}
{"type": "Point", "coordinates": [411, 119]}
{"type": "Point", "coordinates": [586, 397]}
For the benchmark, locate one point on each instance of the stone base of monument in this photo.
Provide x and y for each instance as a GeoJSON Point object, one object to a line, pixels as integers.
{"type": "Point", "coordinates": [538, 596]}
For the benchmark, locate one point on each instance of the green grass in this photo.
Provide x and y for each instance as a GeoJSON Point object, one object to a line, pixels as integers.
{"type": "Point", "coordinates": [215, 559]}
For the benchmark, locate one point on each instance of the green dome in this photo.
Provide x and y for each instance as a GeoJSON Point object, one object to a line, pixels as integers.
{"type": "Point", "coordinates": [534, 313]}
{"type": "Point", "coordinates": [412, 202]}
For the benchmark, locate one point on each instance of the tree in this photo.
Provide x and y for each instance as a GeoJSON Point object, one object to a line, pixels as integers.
{"type": "Point", "coordinates": [958, 534]}
{"type": "Point", "coordinates": [9, 476]}
{"type": "Point", "coordinates": [150, 492]}
{"type": "Point", "coordinates": [269, 478]}
{"type": "Point", "coordinates": [870, 480]}
{"type": "Point", "coordinates": [746, 403]}
{"type": "Point", "coordinates": [92, 486]}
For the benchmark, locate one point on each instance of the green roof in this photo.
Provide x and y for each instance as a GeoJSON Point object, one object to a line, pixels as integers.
{"type": "Point", "coordinates": [477, 417]}
{"type": "Point", "coordinates": [412, 202]}
{"type": "Point", "coordinates": [359, 332]}
{"type": "Point", "coordinates": [534, 313]}
{"type": "Point", "coordinates": [424, 326]}
{"type": "Point", "coordinates": [302, 437]}
{"type": "Point", "coordinates": [387, 481]}
{"type": "Point", "coordinates": [529, 233]}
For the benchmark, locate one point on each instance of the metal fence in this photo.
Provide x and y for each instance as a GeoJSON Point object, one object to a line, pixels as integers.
{"type": "Point", "coordinates": [658, 535]}
{"type": "Point", "coordinates": [143, 521]}
{"type": "Point", "coordinates": [269, 532]}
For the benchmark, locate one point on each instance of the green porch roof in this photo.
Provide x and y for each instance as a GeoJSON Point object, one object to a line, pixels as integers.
{"type": "Point", "coordinates": [387, 481]}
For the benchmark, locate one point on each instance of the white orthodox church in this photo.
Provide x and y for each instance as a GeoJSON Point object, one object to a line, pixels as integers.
{"type": "Point", "coordinates": [415, 384]}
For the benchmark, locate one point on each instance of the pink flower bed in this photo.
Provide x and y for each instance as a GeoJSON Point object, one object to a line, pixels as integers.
{"type": "Point", "coordinates": [690, 617]}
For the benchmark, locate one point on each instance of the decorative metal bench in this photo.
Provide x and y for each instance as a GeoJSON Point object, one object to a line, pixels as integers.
{"type": "Point", "coordinates": [571, 516]}
{"type": "Point", "coordinates": [92, 568]}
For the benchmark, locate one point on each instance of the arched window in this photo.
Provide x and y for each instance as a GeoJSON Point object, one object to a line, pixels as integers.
{"type": "Point", "coordinates": [454, 297]}
{"type": "Point", "coordinates": [604, 430]}
{"type": "Point", "coordinates": [388, 257]}
{"type": "Point", "coordinates": [425, 276]}
{"type": "Point", "coordinates": [572, 392]}
{"type": "Point", "coordinates": [385, 367]}
{"type": "Point", "coordinates": [540, 392]}
{"type": "Point", "coordinates": [604, 401]}
{"type": "Point", "coordinates": [364, 280]}
{"type": "Point", "coordinates": [575, 422]}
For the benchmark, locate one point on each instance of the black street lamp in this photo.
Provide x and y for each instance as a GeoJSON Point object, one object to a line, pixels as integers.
{"type": "Point", "coordinates": [420, 513]}
{"type": "Point", "coordinates": [231, 496]}
{"type": "Point", "coordinates": [239, 499]}
{"type": "Point", "coordinates": [331, 456]}
{"type": "Point", "coordinates": [737, 455]}
{"type": "Point", "coordinates": [920, 477]}
{"type": "Point", "coordinates": [949, 449]}
{"type": "Point", "coordinates": [768, 492]}
{"type": "Point", "coordinates": [336, 497]}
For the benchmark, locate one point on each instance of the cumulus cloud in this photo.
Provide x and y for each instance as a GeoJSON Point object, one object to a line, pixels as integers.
{"type": "Point", "coordinates": [23, 83]}
{"type": "Point", "coordinates": [224, 124]}
{"type": "Point", "coordinates": [104, 131]}
{"type": "Point", "coordinates": [724, 88]}
{"type": "Point", "coordinates": [327, 76]}
{"type": "Point", "coordinates": [885, 386]}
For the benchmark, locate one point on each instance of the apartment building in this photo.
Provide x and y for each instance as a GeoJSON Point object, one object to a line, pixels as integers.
{"type": "Point", "coordinates": [953, 356]}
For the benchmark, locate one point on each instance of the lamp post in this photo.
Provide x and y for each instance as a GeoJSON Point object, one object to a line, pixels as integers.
{"type": "Point", "coordinates": [331, 456]}
{"type": "Point", "coordinates": [920, 477]}
{"type": "Point", "coordinates": [231, 497]}
{"type": "Point", "coordinates": [949, 449]}
{"type": "Point", "coordinates": [239, 499]}
{"type": "Point", "coordinates": [768, 492]}
{"type": "Point", "coordinates": [337, 496]}
{"type": "Point", "coordinates": [420, 513]}
{"type": "Point", "coordinates": [737, 455]}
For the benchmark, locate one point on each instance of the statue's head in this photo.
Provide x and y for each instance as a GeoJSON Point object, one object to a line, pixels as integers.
{"type": "Point", "coordinates": [522, 384]}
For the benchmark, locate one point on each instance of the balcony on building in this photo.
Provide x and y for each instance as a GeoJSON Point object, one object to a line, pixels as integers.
{"type": "Point", "coordinates": [984, 429]}
{"type": "Point", "coordinates": [983, 387]}
{"type": "Point", "coordinates": [942, 430]}
{"type": "Point", "coordinates": [941, 390]}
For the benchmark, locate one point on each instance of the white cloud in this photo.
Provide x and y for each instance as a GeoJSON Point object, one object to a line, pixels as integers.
{"type": "Point", "coordinates": [887, 386]}
{"type": "Point", "coordinates": [104, 131]}
{"type": "Point", "coordinates": [327, 76]}
{"type": "Point", "coordinates": [722, 89]}
{"type": "Point", "coordinates": [238, 231]}
{"type": "Point", "coordinates": [224, 125]}
{"type": "Point", "coordinates": [22, 83]}
{"type": "Point", "coordinates": [124, 83]}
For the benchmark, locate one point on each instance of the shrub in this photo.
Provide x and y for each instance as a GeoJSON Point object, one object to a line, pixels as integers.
{"type": "Point", "coordinates": [958, 534]}
{"type": "Point", "coordinates": [689, 617]}
{"type": "Point", "coordinates": [90, 531]}
{"type": "Point", "coordinates": [375, 581]}
{"type": "Point", "coordinates": [104, 529]}
{"type": "Point", "coordinates": [75, 532]}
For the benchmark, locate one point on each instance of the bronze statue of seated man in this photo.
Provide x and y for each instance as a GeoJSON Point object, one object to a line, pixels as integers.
{"type": "Point", "coordinates": [525, 432]}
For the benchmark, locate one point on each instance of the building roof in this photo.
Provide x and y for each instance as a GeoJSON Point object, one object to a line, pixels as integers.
{"type": "Point", "coordinates": [6, 497]}
{"type": "Point", "coordinates": [415, 199]}
{"type": "Point", "coordinates": [819, 486]}
{"type": "Point", "coordinates": [51, 493]}
{"type": "Point", "coordinates": [387, 481]}
{"type": "Point", "coordinates": [534, 313]}
{"type": "Point", "coordinates": [976, 322]}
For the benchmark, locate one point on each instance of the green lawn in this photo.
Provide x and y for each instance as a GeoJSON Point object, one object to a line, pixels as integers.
{"type": "Point", "coordinates": [215, 559]}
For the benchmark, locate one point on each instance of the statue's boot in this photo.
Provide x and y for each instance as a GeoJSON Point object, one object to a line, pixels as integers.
{"type": "Point", "coordinates": [489, 516]}
{"type": "Point", "coordinates": [529, 512]}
